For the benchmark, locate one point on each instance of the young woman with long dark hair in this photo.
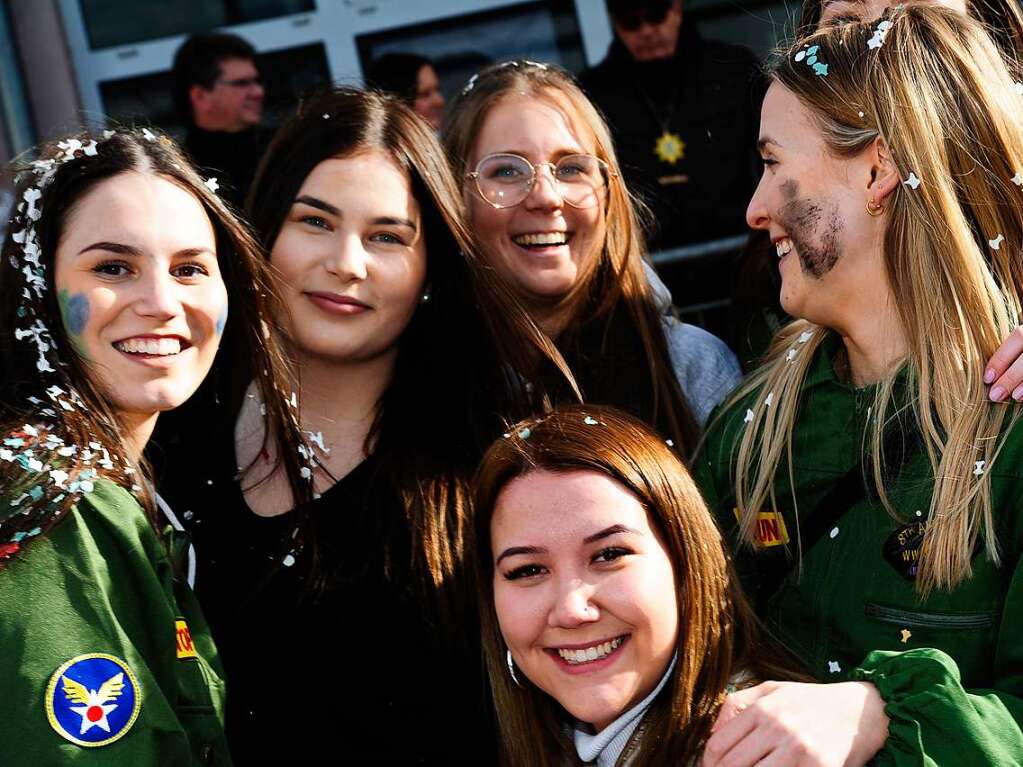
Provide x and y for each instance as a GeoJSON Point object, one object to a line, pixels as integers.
{"type": "Point", "coordinates": [407, 361]}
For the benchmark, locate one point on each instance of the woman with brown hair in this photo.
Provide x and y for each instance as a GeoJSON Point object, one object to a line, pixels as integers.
{"type": "Point", "coordinates": [553, 219]}
{"type": "Point", "coordinates": [870, 489]}
{"type": "Point", "coordinates": [119, 265]}
{"type": "Point", "coordinates": [406, 359]}
{"type": "Point", "coordinates": [612, 623]}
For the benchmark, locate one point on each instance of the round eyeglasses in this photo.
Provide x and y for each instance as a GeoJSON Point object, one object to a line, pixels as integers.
{"type": "Point", "coordinates": [505, 180]}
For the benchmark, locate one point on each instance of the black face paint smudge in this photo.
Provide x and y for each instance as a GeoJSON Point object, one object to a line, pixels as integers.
{"type": "Point", "coordinates": [815, 233]}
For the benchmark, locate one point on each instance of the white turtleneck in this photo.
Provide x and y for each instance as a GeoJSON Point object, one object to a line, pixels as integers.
{"type": "Point", "coordinates": [606, 746]}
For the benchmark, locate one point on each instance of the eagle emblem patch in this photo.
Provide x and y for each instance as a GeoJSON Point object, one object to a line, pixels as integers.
{"type": "Point", "coordinates": [92, 700]}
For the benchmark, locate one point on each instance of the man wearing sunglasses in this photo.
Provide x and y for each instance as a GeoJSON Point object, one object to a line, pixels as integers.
{"type": "Point", "coordinates": [219, 95]}
{"type": "Point", "coordinates": [684, 113]}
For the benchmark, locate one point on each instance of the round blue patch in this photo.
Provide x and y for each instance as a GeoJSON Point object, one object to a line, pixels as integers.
{"type": "Point", "coordinates": [92, 700]}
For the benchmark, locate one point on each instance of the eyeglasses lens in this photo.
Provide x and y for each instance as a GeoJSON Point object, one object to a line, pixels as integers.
{"type": "Point", "coordinates": [505, 180]}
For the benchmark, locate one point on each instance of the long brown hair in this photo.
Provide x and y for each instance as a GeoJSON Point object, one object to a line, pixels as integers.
{"type": "Point", "coordinates": [718, 635]}
{"type": "Point", "coordinates": [614, 340]}
{"type": "Point", "coordinates": [464, 356]}
{"type": "Point", "coordinates": [940, 97]}
{"type": "Point", "coordinates": [68, 405]}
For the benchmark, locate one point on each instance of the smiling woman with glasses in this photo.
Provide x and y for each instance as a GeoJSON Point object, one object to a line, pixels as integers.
{"type": "Point", "coordinates": [555, 221]}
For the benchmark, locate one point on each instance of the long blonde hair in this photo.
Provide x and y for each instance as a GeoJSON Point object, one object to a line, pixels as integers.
{"type": "Point", "coordinates": [616, 279]}
{"type": "Point", "coordinates": [940, 97]}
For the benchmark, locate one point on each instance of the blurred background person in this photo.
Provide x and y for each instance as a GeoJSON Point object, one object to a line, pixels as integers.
{"type": "Point", "coordinates": [683, 112]}
{"type": "Point", "coordinates": [413, 79]}
{"type": "Point", "coordinates": [219, 94]}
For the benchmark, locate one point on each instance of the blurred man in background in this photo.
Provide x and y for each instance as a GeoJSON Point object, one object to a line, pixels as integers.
{"type": "Point", "coordinates": [219, 94]}
{"type": "Point", "coordinates": [685, 114]}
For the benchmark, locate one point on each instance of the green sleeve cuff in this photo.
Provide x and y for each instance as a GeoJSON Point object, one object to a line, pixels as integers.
{"type": "Point", "coordinates": [933, 720]}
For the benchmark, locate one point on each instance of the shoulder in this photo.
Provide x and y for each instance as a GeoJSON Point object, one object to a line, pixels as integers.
{"type": "Point", "coordinates": [705, 367]}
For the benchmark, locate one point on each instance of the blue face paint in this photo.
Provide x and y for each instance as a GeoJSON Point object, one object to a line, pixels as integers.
{"type": "Point", "coordinates": [222, 321]}
{"type": "Point", "coordinates": [75, 310]}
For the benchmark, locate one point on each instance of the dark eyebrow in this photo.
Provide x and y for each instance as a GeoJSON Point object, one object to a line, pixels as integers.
{"type": "Point", "coordinates": [315, 202]}
{"type": "Point", "coordinates": [510, 552]}
{"type": "Point", "coordinates": [133, 252]}
{"type": "Point", "coordinates": [326, 207]}
{"type": "Point", "coordinates": [388, 221]}
{"type": "Point", "coordinates": [112, 247]}
{"type": "Point", "coordinates": [608, 532]}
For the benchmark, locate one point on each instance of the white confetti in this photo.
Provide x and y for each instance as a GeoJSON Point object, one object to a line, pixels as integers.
{"type": "Point", "coordinates": [996, 243]}
{"type": "Point", "coordinates": [669, 442]}
{"type": "Point", "coordinates": [833, 666]}
{"type": "Point", "coordinates": [289, 560]}
{"type": "Point", "coordinates": [211, 184]}
{"type": "Point", "coordinates": [148, 135]}
{"type": "Point", "coordinates": [770, 399]}
{"type": "Point", "coordinates": [805, 336]}
{"type": "Point", "coordinates": [749, 416]}
{"type": "Point", "coordinates": [912, 182]}
{"type": "Point", "coordinates": [1019, 88]}
{"type": "Point", "coordinates": [1018, 178]}
{"type": "Point", "coordinates": [834, 532]}
{"type": "Point", "coordinates": [791, 355]}
{"type": "Point", "coordinates": [978, 467]}
{"type": "Point", "coordinates": [305, 472]}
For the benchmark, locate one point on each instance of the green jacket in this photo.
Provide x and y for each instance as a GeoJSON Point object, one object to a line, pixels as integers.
{"type": "Point", "coordinates": [949, 667]}
{"type": "Point", "coordinates": [149, 688]}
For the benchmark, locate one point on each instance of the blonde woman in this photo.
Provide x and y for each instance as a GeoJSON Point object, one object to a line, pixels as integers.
{"type": "Point", "coordinates": [871, 489]}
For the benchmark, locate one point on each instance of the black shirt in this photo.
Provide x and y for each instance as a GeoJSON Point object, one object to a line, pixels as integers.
{"type": "Point", "coordinates": [230, 157]}
{"type": "Point", "coordinates": [355, 669]}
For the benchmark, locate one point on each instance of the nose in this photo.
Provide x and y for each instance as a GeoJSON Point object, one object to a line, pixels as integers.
{"type": "Point", "coordinates": [158, 296]}
{"type": "Point", "coordinates": [756, 212]}
{"type": "Point", "coordinates": [349, 261]}
{"type": "Point", "coordinates": [574, 606]}
{"type": "Point", "coordinates": [544, 194]}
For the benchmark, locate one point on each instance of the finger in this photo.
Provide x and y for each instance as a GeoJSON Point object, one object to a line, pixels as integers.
{"type": "Point", "coordinates": [728, 735]}
{"type": "Point", "coordinates": [777, 758]}
{"type": "Point", "coordinates": [1006, 354]}
{"type": "Point", "coordinates": [751, 750]}
{"type": "Point", "coordinates": [1009, 384]}
{"type": "Point", "coordinates": [738, 701]}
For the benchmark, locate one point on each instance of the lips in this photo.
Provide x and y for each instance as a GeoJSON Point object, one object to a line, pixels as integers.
{"type": "Point", "coordinates": [335, 303]}
{"type": "Point", "coordinates": [589, 657]}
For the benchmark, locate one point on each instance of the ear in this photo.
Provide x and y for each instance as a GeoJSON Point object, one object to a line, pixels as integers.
{"type": "Point", "coordinates": [884, 175]}
{"type": "Point", "coordinates": [197, 96]}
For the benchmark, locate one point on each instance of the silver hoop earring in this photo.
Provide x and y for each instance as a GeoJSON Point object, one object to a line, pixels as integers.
{"type": "Point", "coordinates": [511, 668]}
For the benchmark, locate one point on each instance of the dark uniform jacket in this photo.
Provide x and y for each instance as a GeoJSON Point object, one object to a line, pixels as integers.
{"type": "Point", "coordinates": [709, 95]}
{"type": "Point", "coordinates": [949, 666]}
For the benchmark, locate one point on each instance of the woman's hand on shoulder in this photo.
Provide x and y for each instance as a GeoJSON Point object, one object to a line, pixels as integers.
{"type": "Point", "coordinates": [789, 724]}
{"type": "Point", "coordinates": [1004, 371]}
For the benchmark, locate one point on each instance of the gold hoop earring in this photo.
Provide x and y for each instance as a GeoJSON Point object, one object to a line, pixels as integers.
{"type": "Point", "coordinates": [874, 208]}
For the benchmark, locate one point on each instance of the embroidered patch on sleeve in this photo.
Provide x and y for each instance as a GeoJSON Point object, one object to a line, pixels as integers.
{"type": "Point", "coordinates": [92, 700]}
{"type": "Point", "coordinates": [770, 529]}
{"type": "Point", "coordinates": [184, 640]}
